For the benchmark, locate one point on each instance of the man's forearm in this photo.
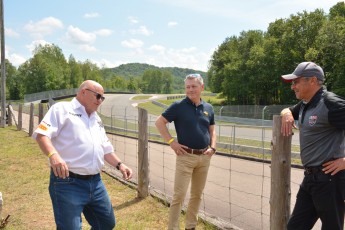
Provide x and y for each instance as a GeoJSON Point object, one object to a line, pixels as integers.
{"type": "Point", "coordinates": [45, 144]}
{"type": "Point", "coordinates": [163, 129]}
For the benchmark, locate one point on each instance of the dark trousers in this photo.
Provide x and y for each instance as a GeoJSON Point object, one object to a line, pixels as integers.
{"type": "Point", "coordinates": [320, 196]}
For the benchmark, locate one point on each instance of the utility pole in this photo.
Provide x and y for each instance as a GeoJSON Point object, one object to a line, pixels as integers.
{"type": "Point", "coordinates": [3, 70]}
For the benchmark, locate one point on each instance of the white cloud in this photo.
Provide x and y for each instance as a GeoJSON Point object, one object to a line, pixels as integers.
{"type": "Point", "coordinates": [36, 43]}
{"type": "Point", "coordinates": [77, 36]}
{"type": "Point", "coordinates": [184, 58]}
{"type": "Point", "coordinates": [256, 13]}
{"type": "Point", "coordinates": [11, 33]}
{"type": "Point", "coordinates": [87, 48]}
{"type": "Point", "coordinates": [103, 32]}
{"type": "Point", "coordinates": [172, 24]}
{"type": "Point", "coordinates": [132, 43]}
{"type": "Point", "coordinates": [157, 48]}
{"type": "Point", "coordinates": [108, 64]}
{"type": "Point", "coordinates": [44, 27]}
{"type": "Point", "coordinates": [133, 20]}
{"type": "Point", "coordinates": [142, 30]}
{"type": "Point", "coordinates": [91, 15]}
{"type": "Point", "coordinates": [15, 59]}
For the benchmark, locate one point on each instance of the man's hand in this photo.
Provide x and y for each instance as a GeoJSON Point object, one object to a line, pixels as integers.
{"type": "Point", "coordinates": [126, 171]}
{"type": "Point", "coordinates": [59, 166]}
{"type": "Point", "coordinates": [209, 152]}
{"type": "Point", "coordinates": [179, 149]}
{"type": "Point", "coordinates": [334, 166]}
{"type": "Point", "coordinates": [288, 123]}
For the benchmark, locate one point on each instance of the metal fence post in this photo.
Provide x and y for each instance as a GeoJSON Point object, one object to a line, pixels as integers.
{"type": "Point", "coordinates": [143, 159]}
{"type": "Point", "coordinates": [280, 177]}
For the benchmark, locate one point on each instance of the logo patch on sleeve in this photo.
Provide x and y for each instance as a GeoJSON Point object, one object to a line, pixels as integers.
{"type": "Point", "coordinates": [43, 127]}
{"type": "Point", "coordinates": [205, 113]}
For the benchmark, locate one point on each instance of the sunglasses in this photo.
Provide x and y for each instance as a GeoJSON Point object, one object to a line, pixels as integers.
{"type": "Point", "coordinates": [98, 96]}
{"type": "Point", "coordinates": [193, 75]}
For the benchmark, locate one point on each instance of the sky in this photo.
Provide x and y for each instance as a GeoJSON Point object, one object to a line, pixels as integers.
{"type": "Point", "coordinates": [164, 33]}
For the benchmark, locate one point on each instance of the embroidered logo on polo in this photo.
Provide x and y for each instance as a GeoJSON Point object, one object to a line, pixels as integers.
{"type": "Point", "coordinates": [44, 126]}
{"type": "Point", "coordinates": [206, 113]}
{"type": "Point", "coordinates": [312, 120]}
{"type": "Point", "coordinates": [75, 114]}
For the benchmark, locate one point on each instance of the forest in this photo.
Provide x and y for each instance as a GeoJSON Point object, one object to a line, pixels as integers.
{"type": "Point", "coordinates": [244, 69]}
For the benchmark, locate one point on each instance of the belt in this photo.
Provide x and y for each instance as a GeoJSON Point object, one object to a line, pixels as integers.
{"type": "Point", "coordinates": [196, 151]}
{"type": "Point", "coordinates": [83, 177]}
{"type": "Point", "coordinates": [312, 170]}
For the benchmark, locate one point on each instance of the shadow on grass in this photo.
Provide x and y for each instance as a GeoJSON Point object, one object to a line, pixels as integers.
{"type": "Point", "coordinates": [128, 203]}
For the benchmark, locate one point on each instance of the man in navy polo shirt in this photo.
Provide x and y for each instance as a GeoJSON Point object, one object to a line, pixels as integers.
{"type": "Point", "coordinates": [195, 144]}
{"type": "Point", "coordinates": [321, 124]}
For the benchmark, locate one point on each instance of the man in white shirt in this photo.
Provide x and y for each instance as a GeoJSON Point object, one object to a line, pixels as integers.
{"type": "Point", "coordinates": [72, 136]}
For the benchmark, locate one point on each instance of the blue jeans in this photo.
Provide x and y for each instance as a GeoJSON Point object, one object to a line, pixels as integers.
{"type": "Point", "coordinates": [71, 197]}
{"type": "Point", "coordinates": [320, 196]}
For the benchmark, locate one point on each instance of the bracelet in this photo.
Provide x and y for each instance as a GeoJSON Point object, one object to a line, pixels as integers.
{"type": "Point", "coordinates": [118, 165]}
{"type": "Point", "coordinates": [51, 154]}
{"type": "Point", "coordinates": [170, 141]}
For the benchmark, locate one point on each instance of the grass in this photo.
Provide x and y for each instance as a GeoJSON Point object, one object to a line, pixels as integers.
{"type": "Point", "coordinates": [152, 108]}
{"type": "Point", "coordinates": [141, 97]}
{"type": "Point", "coordinates": [24, 185]}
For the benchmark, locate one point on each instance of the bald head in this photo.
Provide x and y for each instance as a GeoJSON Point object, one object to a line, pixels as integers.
{"type": "Point", "coordinates": [87, 95]}
{"type": "Point", "coordinates": [89, 84]}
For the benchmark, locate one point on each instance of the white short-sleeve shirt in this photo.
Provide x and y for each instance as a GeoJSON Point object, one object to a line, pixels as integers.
{"type": "Point", "coordinates": [80, 140]}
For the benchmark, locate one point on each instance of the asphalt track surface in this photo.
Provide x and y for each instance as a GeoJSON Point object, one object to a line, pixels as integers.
{"type": "Point", "coordinates": [237, 190]}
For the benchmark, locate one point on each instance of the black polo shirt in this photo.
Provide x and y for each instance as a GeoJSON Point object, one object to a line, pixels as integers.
{"type": "Point", "coordinates": [322, 128]}
{"type": "Point", "coordinates": [191, 122]}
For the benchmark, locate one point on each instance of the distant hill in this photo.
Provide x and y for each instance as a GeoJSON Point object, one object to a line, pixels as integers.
{"type": "Point", "coordinates": [137, 70]}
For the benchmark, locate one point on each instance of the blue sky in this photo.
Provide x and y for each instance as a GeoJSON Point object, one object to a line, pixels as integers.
{"type": "Point", "coordinates": [164, 33]}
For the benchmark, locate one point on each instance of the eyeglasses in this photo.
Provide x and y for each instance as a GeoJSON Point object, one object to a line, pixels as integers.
{"type": "Point", "coordinates": [296, 81]}
{"type": "Point", "coordinates": [98, 96]}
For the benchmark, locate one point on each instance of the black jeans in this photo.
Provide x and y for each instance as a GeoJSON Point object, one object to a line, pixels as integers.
{"type": "Point", "coordinates": [320, 196]}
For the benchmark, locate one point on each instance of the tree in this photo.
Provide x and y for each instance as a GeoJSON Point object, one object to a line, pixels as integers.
{"type": "Point", "coordinates": [223, 66]}
{"type": "Point", "coordinates": [14, 83]}
{"type": "Point", "coordinates": [167, 82]}
{"type": "Point", "coordinates": [152, 81]}
{"type": "Point", "coordinates": [331, 48]}
{"type": "Point", "coordinates": [132, 86]}
{"type": "Point", "coordinates": [46, 70]}
{"type": "Point", "coordinates": [338, 10]}
{"type": "Point", "coordinates": [90, 71]}
{"type": "Point", "coordinates": [76, 75]}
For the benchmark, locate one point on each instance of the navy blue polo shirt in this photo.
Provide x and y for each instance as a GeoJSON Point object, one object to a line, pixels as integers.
{"type": "Point", "coordinates": [191, 122]}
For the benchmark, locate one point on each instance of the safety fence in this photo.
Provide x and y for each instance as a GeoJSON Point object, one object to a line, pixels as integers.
{"type": "Point", "coordinates": [238, 193]}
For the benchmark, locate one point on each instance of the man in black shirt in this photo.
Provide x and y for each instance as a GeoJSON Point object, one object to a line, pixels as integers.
{"type": "Point", "coordinates": [321, 123]}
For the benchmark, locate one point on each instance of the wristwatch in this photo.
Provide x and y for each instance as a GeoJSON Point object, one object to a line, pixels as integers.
{"type": "Point", "coordinates": [118, 165]}
{"type": "Point", "coordinates": [214, 149]}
